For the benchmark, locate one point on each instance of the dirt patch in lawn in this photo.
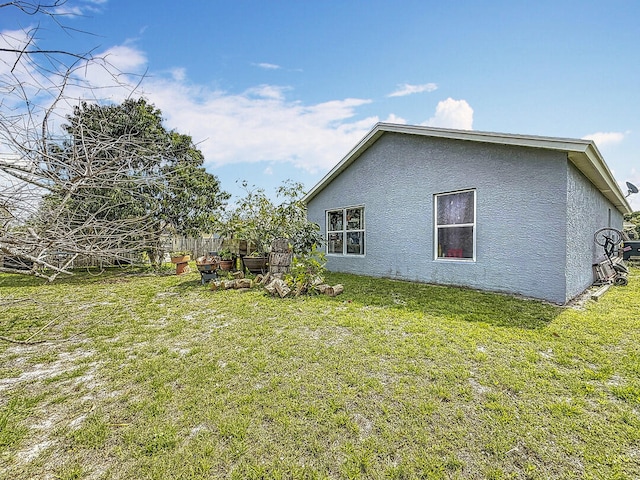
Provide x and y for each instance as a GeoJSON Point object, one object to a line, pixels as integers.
{"type": "Point", "coordinates": [48, 376]}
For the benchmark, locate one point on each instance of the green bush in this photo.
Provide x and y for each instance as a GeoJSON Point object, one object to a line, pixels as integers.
{"type": "Point", "coordinates": [307, 270]}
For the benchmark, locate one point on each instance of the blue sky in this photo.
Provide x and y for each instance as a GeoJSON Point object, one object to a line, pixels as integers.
{"type": "Point", "coordinates": [275, 90]}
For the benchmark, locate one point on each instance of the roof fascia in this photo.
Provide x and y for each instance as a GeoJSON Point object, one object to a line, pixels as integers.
{"type": "Point", "coordinates": [347, 160]}
{"type": "Point", "coordinates": [549, 143]}
{"type": "Point", "coordinates": [593, 166]}
{"type": "Point", "coordinates": [582, 153]}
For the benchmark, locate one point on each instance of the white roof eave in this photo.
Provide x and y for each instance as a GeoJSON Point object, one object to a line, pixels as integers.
{"type": "Point", "coordinates": [582, 153]}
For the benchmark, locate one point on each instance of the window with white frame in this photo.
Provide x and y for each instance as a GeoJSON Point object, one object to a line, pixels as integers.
{"type": "Point", "coordinates": [345, 231]}
{"type": "Point", "coordinates": [455, 225]}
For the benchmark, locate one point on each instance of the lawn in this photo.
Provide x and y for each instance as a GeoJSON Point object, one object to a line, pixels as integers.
{"type": "Point", "coordinates": [126, 375]}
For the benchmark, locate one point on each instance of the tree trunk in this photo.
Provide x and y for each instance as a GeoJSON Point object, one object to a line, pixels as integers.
{"type": "Point", "coordinates": [280, 245]}
{"type": "Point", "coordinates": [281, 256]}
{"type": "Point", "coordinates": [282, 288]}
{"type": "Point", "coordinates": [280, 262]}
{"type": "Point", "coordinates": [243, 283]}
{"type": "Point", "coordinates": [335, 290]}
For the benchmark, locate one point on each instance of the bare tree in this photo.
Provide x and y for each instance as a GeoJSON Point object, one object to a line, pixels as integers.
{"type": "Point", "coordinates": [64, 187]}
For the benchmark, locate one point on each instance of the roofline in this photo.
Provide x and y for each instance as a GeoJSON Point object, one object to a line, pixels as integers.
{"type": "Point", "coordinates": [582, 153]}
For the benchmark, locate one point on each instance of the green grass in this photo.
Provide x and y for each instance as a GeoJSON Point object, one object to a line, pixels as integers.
{"type": "Point", "coordinates": [157, 377]}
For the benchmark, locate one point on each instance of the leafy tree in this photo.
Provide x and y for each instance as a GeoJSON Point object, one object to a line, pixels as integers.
{"type": "Point", "coordinates": [258, 219]}
{"type": "Point", "coordinates": [163, 187]}
{"type": "Point", "coordinates": [635, 219]}
{"type": "Point", "coordinates": [54, 202]}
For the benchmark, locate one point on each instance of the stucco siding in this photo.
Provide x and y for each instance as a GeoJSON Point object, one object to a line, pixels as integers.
{"type": "Point", "coordinates": [521, 205]}
{"type": "Point", "coordinates": [587, 211]}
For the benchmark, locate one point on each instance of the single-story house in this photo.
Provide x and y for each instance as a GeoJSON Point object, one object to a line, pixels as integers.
{"type": "Point", "coordinates": [492, 211]}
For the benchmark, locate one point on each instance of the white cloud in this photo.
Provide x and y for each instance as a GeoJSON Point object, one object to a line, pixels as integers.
{"type": "Point", "coordinates": [452, 113]}
{"type": "Point", "coordinates": [125, 58]}
{"type": "Point", "coordinates": [258, 124]}
{"type": "Point", "coordinates": [243, 128]}
{"type": "Point", "coordinates": [179, 74]}
{"type": "Point", "coordinates": [15, 40]}
{"type": "Point", "coordinates": [261, 123]}
{"type": "Point", "coordinates": [23, 79]}
{"type": "Point", "coordinates": [110, 75]}
{"type": "Point", "coordinates": [605, 138]}
{"type": "Point", "coordinates": [393, 118]}
{"type": "Point", "coordinates": [68, 10]}
{"type": "Point", "coordinates": [407, 89]}
{"type": "Point", "coordinates": [102, 78]}
{"type": "Point", "coordinates": [81, 8]}
{"type": "Point", "coordinates": [273, 92]}
{"type": "Point", "coordinates": [267, 66]}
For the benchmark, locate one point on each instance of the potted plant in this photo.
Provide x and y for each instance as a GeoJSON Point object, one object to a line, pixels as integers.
{"type": "Point", "coordinates": [226, 260]}
{"type": "Point", "coordinates": [181, 260]}
{"type": "Point", "coordinates": [260, 221]}
{"type": "Point", "coordinates": [255, 262]}
{"type": "Point", "coordinates": [180, 256]}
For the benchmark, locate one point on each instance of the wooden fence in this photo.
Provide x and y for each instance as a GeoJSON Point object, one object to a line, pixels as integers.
{"type": "Point", "coordinates": [197, 246]}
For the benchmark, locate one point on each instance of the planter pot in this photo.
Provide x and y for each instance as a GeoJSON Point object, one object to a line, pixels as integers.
{"type": "Point", "coordinates": [182, 267]}
{"type": "Point", "coordinates": [226, 265]}
{"type": "Point", "coordinates": [255, 264]}
{"type": "Point", "coordinates": [180, 258]}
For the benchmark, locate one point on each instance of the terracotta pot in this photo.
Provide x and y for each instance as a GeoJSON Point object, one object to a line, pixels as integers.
{"type": "Point", "coordinates": [180, 258]}
{"type": "Point", "coordinates": [182, 267]}
{"type": "Point", "coordinates": [226, 265]}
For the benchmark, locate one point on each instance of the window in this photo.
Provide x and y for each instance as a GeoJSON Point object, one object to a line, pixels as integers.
{"type": "Point", "coordinates": [455, 225]}
{"type": "Point", "coordinates": [345, 231]}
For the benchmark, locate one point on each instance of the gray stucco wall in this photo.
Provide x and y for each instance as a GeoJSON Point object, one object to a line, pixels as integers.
{"type": "Point", "coordinates": [521, 226]}
{"type": "Point", "coordinates": [587, 211]}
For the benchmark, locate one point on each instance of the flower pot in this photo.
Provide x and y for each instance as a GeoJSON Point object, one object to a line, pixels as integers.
{"type": "Point", "coordinates": [226, 265]}
{"type": "Point", "coordinates": [255, 264]}
{"type": "Point", "coordinates": [182, 267]}
{"type": "Point", "coordinates": [180, 259]}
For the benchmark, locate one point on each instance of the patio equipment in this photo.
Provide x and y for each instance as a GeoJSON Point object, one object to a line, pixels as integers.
{"type": "Point", "coordinates": [208, 266]}
{"type": "Point", "coordinates": [612, 269]}
{"type": "Point", "coordinates": [631, 249]}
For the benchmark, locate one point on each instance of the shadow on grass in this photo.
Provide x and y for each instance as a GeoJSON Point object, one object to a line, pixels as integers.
{"type": "Point", "coordinates": [16, 280]}
{"type": "Point", "coordinates": [80, 276]}
{"type": "Point", "coordinates": [448, 302]}
{"type": "Point", "coordinates": [189, 283]}
{"type": "Point", "coordinates": [430, 300]}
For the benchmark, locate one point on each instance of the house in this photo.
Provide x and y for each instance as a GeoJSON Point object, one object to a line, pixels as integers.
{"type": "Point", "coordinates": [492, 211]}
